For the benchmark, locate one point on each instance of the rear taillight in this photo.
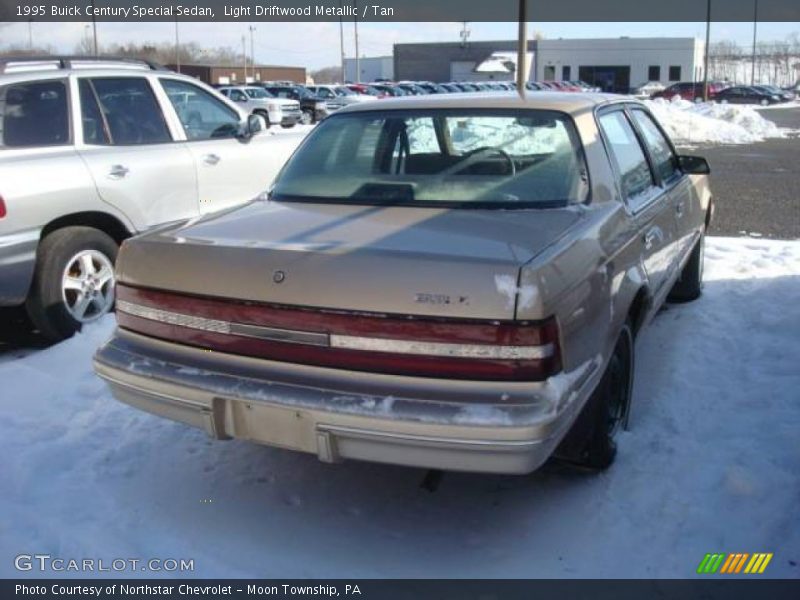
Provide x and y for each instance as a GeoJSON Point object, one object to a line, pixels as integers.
{"type": "Point", "coordinates": [398, 345]}
{"type": "Point", "coordinates": [2, 208]}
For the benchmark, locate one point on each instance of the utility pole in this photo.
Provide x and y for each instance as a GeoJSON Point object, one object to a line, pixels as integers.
{"type": "Point", "coordinates": [94, 31]}
{"type": "Point", "coordinates": [705, 56]}
{"type": "Point", "coordinates": [252, 52]}
{"type": "Point", "coordinates": [177, 48]}
{"type": "Point", "coordinates": [755, 32]}
{"type": "Point", "coordinates": [355, 26]}
{"type": "Point", "coordinates": [464, 34]}
{"type": "Point", "coordinates": [341, 42]}
{"type": "Point", "coordinates": [30, 34]}
{"type": "Point", "coordinates": [244, 56]}
{"type": "Point", "coordinates": [522, 49]}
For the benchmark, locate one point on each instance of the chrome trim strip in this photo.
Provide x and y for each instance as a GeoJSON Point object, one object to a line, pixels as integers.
{"type": "Point", "coordinates": [411, 438]}
{"type": "Point", "coordinates": [481, 351]}
{"type": "Point", "coordinates": [226, 327]}
{"type": "Point", "coordinates": [347, 342]}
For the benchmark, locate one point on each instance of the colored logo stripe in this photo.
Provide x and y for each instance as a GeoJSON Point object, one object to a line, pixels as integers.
{"type": "Point", "coordinates": [734, 563]}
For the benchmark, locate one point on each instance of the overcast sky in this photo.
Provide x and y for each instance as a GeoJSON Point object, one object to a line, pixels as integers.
{"type": "Point", "coordinates": [315, 45]}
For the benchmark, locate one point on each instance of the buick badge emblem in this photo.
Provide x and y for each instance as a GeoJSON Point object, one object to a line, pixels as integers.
{"type": "Point", "coordinates": [278, 276]}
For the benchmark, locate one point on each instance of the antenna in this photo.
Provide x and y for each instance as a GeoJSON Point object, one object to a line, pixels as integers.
{"type": "Point", "coordinates": [464, 34]}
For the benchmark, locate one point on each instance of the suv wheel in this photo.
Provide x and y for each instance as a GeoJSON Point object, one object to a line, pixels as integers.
{"type": "Point", "coordinates": [307, 117]}
{"type": "Point", "coordinates": [74, 281]}
{"type": "Point", "coordinates": [590, 443]}
{"type": "Point", "coordinates": [264, 114]}
{"type": "Point", "coordinates": [690, 283]}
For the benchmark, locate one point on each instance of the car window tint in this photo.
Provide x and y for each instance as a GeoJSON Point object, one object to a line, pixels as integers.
{"type": "Point", "coordinates": [628, 154]}
{"type": "Point", "coordinates": [34, 114]}
{"type": "Point", "coordinates": [95, 129]}
{"type": "Point", "coordinates": [131, 111]}
{"type": "Point", "coordinates": [665, 161]}
{"type": "Point", "coordinates": [203, 116]}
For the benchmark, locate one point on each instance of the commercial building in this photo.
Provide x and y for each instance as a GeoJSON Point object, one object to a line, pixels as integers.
{"type": "Point", "coordinates": [613, 64]}
{"type": "Point", "coordinates": [372, 68]}
{"type": "Point", "coordinates": [236, 74]}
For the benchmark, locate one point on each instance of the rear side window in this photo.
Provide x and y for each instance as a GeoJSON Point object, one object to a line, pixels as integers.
{"type": "Point", "coordinates": [130, 110]}
{"type": "Point", "coordinates": [665, 161]}
{"type": "Point", "coordinates": [634, 172]}
{"type": "Point", "coordinates": [34, 114]}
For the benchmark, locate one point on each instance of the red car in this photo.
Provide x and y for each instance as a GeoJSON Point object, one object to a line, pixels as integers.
{"type": "Point", "coordinates": [366, 90]}
{"type": "Point", "coordinates": [563, 86]}
{"type": "Point", "coordinates": [693, 92]}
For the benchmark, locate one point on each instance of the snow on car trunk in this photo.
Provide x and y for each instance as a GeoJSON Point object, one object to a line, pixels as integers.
{"type": "Point", "coordinates": [710, 123]}
{"type": "Point", "coordinates": [710, 465]}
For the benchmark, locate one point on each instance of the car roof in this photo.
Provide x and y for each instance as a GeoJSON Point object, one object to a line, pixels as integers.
{"type": "Point", "coordinates": [569, 102]}
{"type": "Point", "coordinates": [47, 74]}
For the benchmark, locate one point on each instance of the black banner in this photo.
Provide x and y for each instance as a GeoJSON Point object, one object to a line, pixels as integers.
{"type": "Point", "coordinates": [408, 589]}
{"type": "Point", "coordinates": [396, 10]}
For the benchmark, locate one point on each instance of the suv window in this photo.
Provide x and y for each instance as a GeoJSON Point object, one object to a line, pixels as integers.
{"type": "Point", "coordinates": [203, 116]}
{"type": "Point", "coordinates": [95, 126]}
{"type": "Point", "coordinates": [665, 161]}
{"type": "Point", "coordinates": [628, 154]}
{"type": "Point", "coordinates": [34, 114]}
{"type": "Point", "coordinates": [130, 110]}
{"type": "Point", "coordinates": [236, 95]}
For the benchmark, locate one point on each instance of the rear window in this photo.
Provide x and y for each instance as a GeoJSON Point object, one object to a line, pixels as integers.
{"type": "Point", "coordinates": [34, 114]}
{"type": "Point", "coordinates": [454, 158]}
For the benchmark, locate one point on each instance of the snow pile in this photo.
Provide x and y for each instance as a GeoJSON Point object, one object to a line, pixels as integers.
{"type": "Point", "coordinates": [711, 123]}
{"type": "Point", "coordinates": [710, 465]}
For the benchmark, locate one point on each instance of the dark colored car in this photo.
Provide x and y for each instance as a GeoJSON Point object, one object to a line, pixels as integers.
{"type": "Point", "coordinates": [312, 107]}
{"type": "Point", "coordinates": [390, 89]}
{"type": "Point", "coordinates": [741, 94]}
{"type": "Point", "coordinates": [784, 95]}
{"type": "Point", "coordinates": [693, 92]}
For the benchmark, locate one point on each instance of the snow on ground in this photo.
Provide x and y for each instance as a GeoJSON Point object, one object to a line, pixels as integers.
{"type": "Point", "coordinates": [711, 464]}
{"type": "Point", "coordinates": [688, 123]}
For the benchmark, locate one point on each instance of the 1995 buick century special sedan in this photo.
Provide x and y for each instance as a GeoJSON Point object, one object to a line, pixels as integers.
{"type": "Point", "coordinates": [451, 282]}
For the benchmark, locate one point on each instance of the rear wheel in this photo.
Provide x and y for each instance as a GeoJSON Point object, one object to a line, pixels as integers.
{"type": "Point", "coordinates": [764, 102]}
{"type": "Point", "coordinates": [74, 281]}
{"type": "Point", "coordinates": [690, 283]}
{"type": "Point", "coordinates": [590, 443]}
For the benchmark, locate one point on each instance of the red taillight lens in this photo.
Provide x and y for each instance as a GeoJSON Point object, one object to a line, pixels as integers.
{"type": "Point", "coordinates": [414, 346]}
{"type": "Point", "coordinates": [2, 207]}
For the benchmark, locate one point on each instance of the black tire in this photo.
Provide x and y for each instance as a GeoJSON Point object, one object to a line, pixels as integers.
{"type": "Point", "coordinates": [263, 114]}
{"type": "Point", "coordinates": [590, 442]}
{"type": "Point", "coordinates": [690, 283]}
{"type": "Point", "coordinates": [307, 117]}
{"type": "Point", "coordinates": [45, 304]}
{"type": "Point", "coordinates": [287, 126]}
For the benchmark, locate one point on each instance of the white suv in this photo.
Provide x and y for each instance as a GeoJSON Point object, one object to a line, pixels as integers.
{"type": "Point", "coordinates": [93, 151]}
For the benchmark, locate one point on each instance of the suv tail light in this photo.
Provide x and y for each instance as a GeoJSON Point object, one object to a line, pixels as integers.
{"type": "Point", "coordinates": [3, 211]}
{"type": "Point", "coordinates": [398, 345]}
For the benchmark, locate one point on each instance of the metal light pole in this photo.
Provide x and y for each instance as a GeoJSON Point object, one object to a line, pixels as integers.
{"type": "Point", "coordinates": [755, 32]}
{"type": "Point", "coordinates": [252, 53]}
{"type": "Point", "coordinates": [244, 57]}
{"type": "Point", "coordinates": [94, 31]}
{"type": "Point", "coordinates": [705, 57]}
{"type": "Point", "coordinates": [355, 26]}
{"type": "Point", "coordinates": [177, 48]}
{"type": "Point", "coordinates": [522, 50]}
{"type": "Point", "coordinates": [341, 42]}
{"type": "Point", "coordinates": [30, 34]}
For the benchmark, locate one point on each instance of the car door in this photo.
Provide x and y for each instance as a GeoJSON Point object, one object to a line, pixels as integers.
{"type": "Point", "coordinates": [129, 149]}
{"type": "Point", "coordinates": [677, 187]}
{"type": "Point", "coordinates": [647, 203]}
{"type": "Point", "coordinates": [231, 170]}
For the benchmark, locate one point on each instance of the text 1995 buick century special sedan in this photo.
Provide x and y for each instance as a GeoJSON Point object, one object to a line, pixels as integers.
{"type": "Point", "coordinates": [451, 282]}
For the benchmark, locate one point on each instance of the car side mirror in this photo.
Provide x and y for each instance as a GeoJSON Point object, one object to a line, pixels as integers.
{"type": "Point", "coordinates": [694, 165]}
{"type": "Point", "coordinates": [253, 125]}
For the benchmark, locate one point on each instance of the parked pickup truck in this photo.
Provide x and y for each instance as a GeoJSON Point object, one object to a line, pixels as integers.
{"type": "Point", "coordinates": [258, 101]}
{"type": "Point", "coordinates": [93, 151]}
{"type": "Point", "coordinates": [450, 282]}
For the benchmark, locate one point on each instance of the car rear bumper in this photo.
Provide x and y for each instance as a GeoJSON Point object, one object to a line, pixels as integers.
{"type": "Point", "coordinates": [238, 397]}
{"type": "Point", "coordinates": [17, 264]}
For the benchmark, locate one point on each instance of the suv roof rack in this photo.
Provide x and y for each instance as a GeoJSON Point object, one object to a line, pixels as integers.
{"type": "Point", "coordinates": [15, 64]}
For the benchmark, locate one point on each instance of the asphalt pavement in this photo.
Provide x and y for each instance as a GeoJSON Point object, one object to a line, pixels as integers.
{"type": "Point", "coordinates": [756, 187]}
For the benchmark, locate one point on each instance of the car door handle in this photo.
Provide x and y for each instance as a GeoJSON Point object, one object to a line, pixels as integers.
{"type": "Point", "coordinates": [118, 171]}
{"type": "Point", "coordinates": [651, 237]}
{"type": "Point", "coordinates": [211, 159]}
{"type": "Point", "coordinates": [679, 208]}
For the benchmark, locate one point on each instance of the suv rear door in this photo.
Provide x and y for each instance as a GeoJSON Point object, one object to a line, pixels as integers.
{"type": "Point", "coordinates": [131, 153]}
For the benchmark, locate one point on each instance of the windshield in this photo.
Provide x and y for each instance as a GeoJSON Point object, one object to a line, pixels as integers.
{"type": "Point", "coordinates": [257, 93]}
{"type": "Point", "coordinates": [460, 158]}
{"type": "Point", "coordinates": [343, 91]}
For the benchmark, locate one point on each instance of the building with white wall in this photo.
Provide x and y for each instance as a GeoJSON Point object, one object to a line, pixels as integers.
{"type": "Point", "coordinates": [372, 68]}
